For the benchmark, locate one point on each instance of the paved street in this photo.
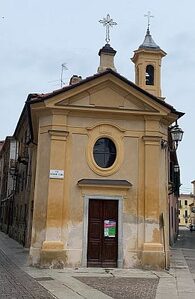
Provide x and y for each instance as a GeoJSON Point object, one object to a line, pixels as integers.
{"type": "Point", "coordinates": [124, 287]}
{"type": "Point", "coordinates": [81, 283]}
{"type": "Point", "coordinates": [18, 280]}
{"type": "Point", "coordinates": [186, 239]}
{"type": "Point", "coordinates": [186, 242]}
{"type": "Point", "coordinates": [15, 283]}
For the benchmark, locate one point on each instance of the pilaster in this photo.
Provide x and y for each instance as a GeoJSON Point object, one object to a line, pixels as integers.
{"type": "Point", "coordinates": [52, 251]}
{"type": "Point", "coordinates": [153, 251]}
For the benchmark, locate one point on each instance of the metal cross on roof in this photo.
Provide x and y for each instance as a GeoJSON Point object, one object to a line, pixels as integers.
{"type": "Point", "coordinates": [108, 23]}
{"type": "Point", "coordinates": [149, 16]}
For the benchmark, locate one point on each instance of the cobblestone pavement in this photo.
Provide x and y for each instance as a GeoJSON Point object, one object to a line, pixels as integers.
{"type": "Point", "coordinates": [16, 284]}
{"type": "Point", "coordinates": [123, 287]}
{"type": "Point", "coordinates": [186, 242]}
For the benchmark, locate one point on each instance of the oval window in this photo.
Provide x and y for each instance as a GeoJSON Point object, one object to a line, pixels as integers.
{"type": "Point", "coordinates": [104, 152]}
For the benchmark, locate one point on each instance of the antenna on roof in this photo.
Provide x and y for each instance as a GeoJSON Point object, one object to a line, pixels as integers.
{"type": "Point", "coordinates": [63, 68]}
{"type": "Point", "coordinates": [60, 80]}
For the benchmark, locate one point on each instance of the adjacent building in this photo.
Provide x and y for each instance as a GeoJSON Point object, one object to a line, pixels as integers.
{"type": "Point", "coordinates": [173, 195]}
{"type": "Point", "coordinates": [8, 158]}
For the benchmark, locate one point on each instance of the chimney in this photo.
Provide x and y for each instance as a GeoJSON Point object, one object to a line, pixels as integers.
{"type": "Point", "coordinates": [106, 54]}
{"type": "Point", "coordinates": [75, 79]}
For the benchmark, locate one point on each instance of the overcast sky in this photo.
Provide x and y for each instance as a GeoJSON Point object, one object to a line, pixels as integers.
{"type": "Point", "coordinates": [36, 37]}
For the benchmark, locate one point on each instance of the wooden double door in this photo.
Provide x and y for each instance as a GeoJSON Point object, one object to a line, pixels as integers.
{"type": "Point", "coordinates": [102, 248]}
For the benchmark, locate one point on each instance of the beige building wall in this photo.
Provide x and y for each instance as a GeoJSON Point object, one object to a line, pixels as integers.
{"type": "Point", "coordinates": [66, 134]}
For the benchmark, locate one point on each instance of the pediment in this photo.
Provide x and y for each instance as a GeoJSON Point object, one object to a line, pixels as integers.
{"type": "Point", "coordinates": [108, 95]}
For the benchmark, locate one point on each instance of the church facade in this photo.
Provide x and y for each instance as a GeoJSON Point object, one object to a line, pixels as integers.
{"type": "Point", "coordinates": [100, 178]}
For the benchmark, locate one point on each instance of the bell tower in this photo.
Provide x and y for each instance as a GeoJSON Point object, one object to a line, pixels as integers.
{"type": "Point", "coordinates": [147, 59]}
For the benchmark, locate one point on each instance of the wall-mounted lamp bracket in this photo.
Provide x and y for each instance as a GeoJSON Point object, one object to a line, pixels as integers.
{"type": "Point", "coordinates": [164, 144]}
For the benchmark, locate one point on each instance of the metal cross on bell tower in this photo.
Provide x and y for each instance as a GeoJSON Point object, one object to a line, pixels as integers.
{"type": "Point", "coordinates": [149, 16]}
{"type": "Point", "coordinates": [108, 23]}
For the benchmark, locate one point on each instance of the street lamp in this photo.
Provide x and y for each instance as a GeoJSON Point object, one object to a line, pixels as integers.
{"type": "Point", "coordinates": [176, 168]}
{"type": "Point", "coordinates": [176, 135]}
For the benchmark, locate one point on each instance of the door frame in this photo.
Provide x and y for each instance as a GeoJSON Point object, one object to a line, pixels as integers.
{"type": "Point", "coordinates": [86, 199]}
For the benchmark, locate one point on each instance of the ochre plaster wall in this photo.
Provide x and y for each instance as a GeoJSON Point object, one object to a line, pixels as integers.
{"type": "Point", "coordinates": [65, 142]}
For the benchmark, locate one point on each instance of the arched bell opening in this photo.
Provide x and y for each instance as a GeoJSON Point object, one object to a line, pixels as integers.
{"type": "Point", "coordinates": [149, 79]}
{"type": "Point", "coordinates": [137, 76]}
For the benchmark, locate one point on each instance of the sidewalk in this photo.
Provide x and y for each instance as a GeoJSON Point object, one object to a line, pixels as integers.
{"type": "Point", "coordinates": [115, 283]}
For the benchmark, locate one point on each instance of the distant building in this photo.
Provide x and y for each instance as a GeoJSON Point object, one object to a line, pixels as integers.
{"type": "Point", "coordinates": [185, 202]}
{"type": "Point", "coordinates": [192, 205]}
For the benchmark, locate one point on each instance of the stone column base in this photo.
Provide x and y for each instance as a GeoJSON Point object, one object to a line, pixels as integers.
{"type": "Point", "coordinates": [53, 255]}
{"type": "Point", "coordinates": [153, 256]}
{"type": "Point", "coordinates": [34, 256]}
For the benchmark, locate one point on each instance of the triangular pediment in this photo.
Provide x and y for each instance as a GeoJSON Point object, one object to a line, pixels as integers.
{"type": "Point", "coordinates": [108, 93]}
{"type": "Point", "coordinates": [108, 96]}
